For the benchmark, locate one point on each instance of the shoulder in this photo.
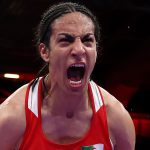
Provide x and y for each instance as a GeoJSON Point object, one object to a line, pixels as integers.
{"type": "Point", "coordinates": [121, 127]}
{"type": "Point", "coordinates": [12, 118]}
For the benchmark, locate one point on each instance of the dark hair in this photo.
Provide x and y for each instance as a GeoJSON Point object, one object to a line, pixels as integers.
{"type": "Point", "coordinates": [55, 11]}
{"type": "Point", "coordinates": [43, 32]}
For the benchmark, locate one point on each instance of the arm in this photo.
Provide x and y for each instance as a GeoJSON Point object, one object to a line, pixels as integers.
{"type": "Point", "coordinates": [12, 120]}
{"type": "Point", "coordinates": [121, 127]}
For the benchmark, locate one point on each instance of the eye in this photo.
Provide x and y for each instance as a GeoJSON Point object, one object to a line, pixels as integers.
{"type": "Point", "coordinates": [88, 40]}
{"type": "Point", "coordinates": [65, 40]}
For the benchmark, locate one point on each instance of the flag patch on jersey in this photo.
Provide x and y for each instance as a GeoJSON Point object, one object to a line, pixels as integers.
{"type": "Point", "coordinates": [93, 147]}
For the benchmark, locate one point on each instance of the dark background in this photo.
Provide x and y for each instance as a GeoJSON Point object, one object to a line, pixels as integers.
{"type": "Point", "coordinates": [123, 69]}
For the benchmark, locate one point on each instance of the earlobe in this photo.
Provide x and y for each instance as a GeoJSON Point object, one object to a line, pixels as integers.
{"type": "Point", "coordinates": [44, 52]}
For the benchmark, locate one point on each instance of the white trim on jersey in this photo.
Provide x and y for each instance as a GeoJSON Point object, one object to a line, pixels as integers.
{"type": "Point", "coordinates": [96, 95]}
{"type": "Point", "coordinates": [33, 99]}
{"type": "Point", "coordinates": [98, 146]}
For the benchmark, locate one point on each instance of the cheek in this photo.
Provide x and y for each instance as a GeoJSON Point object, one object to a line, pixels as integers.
{"type": "Point", "coordinates": [56, 60]}
{"type": "Point", "coordinates": [53, 61]}
{"type": "Point", "coordinates": [93, 55]}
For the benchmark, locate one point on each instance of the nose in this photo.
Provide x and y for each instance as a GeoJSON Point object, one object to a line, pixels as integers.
{"type": "Point", "coordinates": [77, 48]}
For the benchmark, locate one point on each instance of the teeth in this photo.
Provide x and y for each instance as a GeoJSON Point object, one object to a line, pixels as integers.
{"type": "Point", "coordinates": [78, 65]}
{"type": "Point", "coordinates": [75, 82]}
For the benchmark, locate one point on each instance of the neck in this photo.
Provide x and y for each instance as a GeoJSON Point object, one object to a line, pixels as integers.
{"type": "Point", "coordinates": [59, 102]}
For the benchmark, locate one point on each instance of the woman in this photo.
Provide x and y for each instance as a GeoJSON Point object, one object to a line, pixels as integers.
{"type": "Point", "coordinates": [64, 109]}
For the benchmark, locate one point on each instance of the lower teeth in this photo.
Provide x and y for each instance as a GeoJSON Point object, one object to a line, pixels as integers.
{"type": "Point", "coordinates": [75, 82]}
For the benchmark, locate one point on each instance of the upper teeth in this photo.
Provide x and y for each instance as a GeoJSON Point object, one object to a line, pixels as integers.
{"type": "Point", "coordinates": [78, 65]}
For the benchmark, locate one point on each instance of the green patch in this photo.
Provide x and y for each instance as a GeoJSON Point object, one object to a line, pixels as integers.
{"type": "Point", "coordinates": [88, 147]}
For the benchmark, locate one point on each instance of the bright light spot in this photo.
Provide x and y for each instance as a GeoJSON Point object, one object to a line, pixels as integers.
{"type": "Point", "coordinates": [13, 76]}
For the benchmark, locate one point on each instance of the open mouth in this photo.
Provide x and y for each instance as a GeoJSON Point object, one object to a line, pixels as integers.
{"type": "Point", "coordinates": [75, 73]}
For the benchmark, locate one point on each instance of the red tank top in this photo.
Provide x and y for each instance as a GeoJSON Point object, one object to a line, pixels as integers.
{"type": "Point", "coordinates": [97, 137]}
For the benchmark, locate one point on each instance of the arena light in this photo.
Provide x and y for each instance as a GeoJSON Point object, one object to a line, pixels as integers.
{"type": "Point", "coordinates": [12, 76]}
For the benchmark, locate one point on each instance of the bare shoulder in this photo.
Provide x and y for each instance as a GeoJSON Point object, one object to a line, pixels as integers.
{"type": "Point", "coordinates": [121, 127]}
{"type": "Point", "coordinates": [12, 118]}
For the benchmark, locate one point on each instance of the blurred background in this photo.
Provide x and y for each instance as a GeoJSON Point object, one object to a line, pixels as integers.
{"type": "Point", "coordinates": [123, 68]}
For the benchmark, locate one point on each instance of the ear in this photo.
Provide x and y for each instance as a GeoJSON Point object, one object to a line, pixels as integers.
{"type": "Point", "coordinates": [44, 52]}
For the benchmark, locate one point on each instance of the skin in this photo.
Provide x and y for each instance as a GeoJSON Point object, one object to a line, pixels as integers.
{"type": "Point", "coordinates": [60, 54]}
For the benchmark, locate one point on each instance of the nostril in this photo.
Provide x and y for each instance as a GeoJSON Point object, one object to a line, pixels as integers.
{"type": "Point", "coordinates": [77, 54]}
{"type": "Point", "coordinates": [78, 51]}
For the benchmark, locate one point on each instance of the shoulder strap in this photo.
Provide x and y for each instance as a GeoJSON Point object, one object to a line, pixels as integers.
{"type": "Point", "coordinates": [33, 98]}
{"type": "Point", "coordinates": [98, 102]}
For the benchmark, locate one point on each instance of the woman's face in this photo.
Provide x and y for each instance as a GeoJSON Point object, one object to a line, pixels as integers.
{"type": "Point", "coordinates": [72, 49]}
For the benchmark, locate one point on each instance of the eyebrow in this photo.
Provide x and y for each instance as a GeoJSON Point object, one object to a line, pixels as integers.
{"type": "Point", "coordinates": [70, 35]}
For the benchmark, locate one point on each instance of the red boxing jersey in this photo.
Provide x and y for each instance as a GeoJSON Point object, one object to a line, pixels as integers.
{"type": "Point", "coordinates": [97, 137]}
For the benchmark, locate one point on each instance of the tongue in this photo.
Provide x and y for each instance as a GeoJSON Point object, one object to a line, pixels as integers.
{"type": "Point", "coordinates": [75, 78]}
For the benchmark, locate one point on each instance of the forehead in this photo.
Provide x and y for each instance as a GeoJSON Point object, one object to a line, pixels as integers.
{"type": "Point", "coordinates": [75, 23]}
